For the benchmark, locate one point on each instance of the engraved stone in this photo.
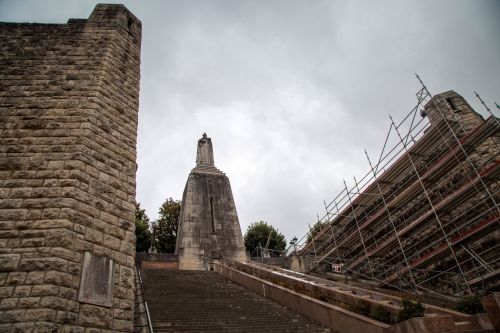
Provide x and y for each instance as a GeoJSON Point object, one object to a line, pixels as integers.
{"type": "Point", "coordinates": [96, 285]}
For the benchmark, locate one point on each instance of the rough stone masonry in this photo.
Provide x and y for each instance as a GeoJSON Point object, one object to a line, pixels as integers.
{"type": "Point", "coordinates": [208, 229]}
{"type": "Point", "coordinates": [68, 125]}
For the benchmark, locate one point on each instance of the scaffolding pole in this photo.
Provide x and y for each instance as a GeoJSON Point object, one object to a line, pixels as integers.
{"type": "Point", "coordinates": [359, 231]}
{"type": "Point", "coordinates": [432, 207]}
{"type": "Point", "coordinates": [391, 221]}
{"type": "Point", "coordinates": [333, 232]}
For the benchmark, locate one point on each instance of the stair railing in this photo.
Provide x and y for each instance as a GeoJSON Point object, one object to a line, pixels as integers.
{"type": "Point", "coordinates": [150, 325]}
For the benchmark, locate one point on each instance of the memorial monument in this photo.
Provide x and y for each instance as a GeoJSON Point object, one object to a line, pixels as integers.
{"type": "Point", "coordinates": [208, 229]}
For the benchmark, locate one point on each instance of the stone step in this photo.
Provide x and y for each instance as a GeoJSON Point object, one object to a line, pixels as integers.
{"type": "Point", "coordinates": [203, 301]}
{"type": "Point", "coordinates": [149, 264]}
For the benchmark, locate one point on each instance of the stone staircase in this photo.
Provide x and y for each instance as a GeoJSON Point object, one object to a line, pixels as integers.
{"type": "Point", "coordinates": [203, 301]}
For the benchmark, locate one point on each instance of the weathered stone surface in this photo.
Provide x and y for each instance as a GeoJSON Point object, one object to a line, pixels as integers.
{"type": "Point", "coordinates": [96, 316]}
{"type": "Point", "coordinates": [491, 304]}
{"type": "Point", "coordinates": [68, 127]}
{"type": "Point", "coordinates": [9, 262]}
{"type": "Point", "coordinates": [209, 229]}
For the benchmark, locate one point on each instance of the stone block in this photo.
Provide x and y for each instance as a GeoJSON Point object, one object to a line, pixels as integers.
{"type": "Point", "coordinates": [112, 242]}
{"type": "Point", "coordinates": [6, 291]}
{"type": "Point", "coordinates": [73, 306]}
{"type": "Point", "coordinates": [59, 278]}
{"type": "Point", "coordinates": [94, 236]}
{"type": "Point", "coordinates": [43, 264]}
{"type": "Point", "coordinates": [9, 262]}
{"type": "Point", "coordinates": [65, 317]}
{"type": "Point", "coordinates": [97, 316]}
{"type": "Point", "coordinates": [22, 291]}
{"type": "Point", "coordinates": [122, 325]}
{"type": "Point", "coordinates": [81, 245]}
{"type": "Point", "coordinates": [29, 302]}
{"type": "Point", "coordinates": [45, 290]}
{"type": "Point", "coordinates": [72, 329]}
{"type": "Point", "coordinates": [52, 302]}
{"type": "Point", "coordinates": [66, 254]}
{"type": "Point", "coordinates": [67, 293]}
{"type": "Point", "coordinates": [46, 327]}
{"type": "Point", "coordinates": [8, 303]}
{"type": "Point", "coordinates": [53, 224]}
{"type": "Point", "coordinates": [127, 277]}
{"type": "Point", "coordinates": [6, 327]}
{"type": "Point", "coordinates": [40, 315]}
{"type": "Point", "coordinates": [127, 248]}
{"type": "Point", "coordinates": [22, 328]}
{"type": "Point", "coordinates": [11, 316]}
{"type": "Point", "coordinates": [33, 242]}
{"type": "Point", "coordinates": [59, 237]}
{"type": "Point", "coordinates": [8, 233]}
{"type": "Point", "coordinates": [15, 278]}
{"type": "Point", "coordinates": [74, 268]}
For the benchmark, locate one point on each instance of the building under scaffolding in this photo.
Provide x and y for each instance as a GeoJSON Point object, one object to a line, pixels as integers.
{"type": "Point", "coordinates": [426, 216]}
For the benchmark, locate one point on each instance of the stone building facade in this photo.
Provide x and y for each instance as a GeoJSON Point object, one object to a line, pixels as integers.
{"type": "Point", "coordinates": [208, 229]}
{"type": "Point", "coordinates": [68, 126]}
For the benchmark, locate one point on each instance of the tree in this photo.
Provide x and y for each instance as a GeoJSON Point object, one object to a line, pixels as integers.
{"type": "Point", "coordinates": [314, 230]}
{"type": "Point", "coordinates": [142, 233]}
{"type": "Point", "coordinates": [410, 309]}
{"type": "Point", "coordinates": [470, 304]}
{"type": "Point", "coordinates": [257, 235]}
{"type": "Point", "coordinates": [166, 226]}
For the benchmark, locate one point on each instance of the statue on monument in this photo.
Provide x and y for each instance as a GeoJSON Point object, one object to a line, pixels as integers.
{"type": "Point", "coordinates": [205, 152]}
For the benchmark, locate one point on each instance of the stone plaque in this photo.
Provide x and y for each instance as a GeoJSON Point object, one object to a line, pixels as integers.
{"type": "Point", "coordinates": [96, 285]}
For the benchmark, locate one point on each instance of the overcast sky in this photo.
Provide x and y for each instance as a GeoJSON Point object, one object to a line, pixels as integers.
{"type": "Point", "coordinates": [290, 92]}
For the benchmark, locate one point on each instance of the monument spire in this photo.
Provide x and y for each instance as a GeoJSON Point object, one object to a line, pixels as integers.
{"type": "Point", "coordinates": [209, 229]}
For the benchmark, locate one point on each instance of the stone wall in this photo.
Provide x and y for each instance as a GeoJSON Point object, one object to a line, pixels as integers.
{"type": "Point", "coordinates": [68, 125]}
{"type": "Point", "coordinates": [454, 108]}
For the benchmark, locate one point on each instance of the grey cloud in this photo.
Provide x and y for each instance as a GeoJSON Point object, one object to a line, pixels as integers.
{"type": "Point", "coordinates": [291, 92]}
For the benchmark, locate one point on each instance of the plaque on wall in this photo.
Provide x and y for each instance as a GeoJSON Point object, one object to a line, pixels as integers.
{"type": "Point", "coordinates": [96, 285]}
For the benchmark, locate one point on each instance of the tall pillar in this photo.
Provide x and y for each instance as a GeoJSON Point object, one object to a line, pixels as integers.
{"type": "Point", "coordinates": [68, 128]}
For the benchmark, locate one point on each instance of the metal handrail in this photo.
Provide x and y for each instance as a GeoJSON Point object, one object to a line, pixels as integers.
{"type": "Point", "coordinates": [144, 299]}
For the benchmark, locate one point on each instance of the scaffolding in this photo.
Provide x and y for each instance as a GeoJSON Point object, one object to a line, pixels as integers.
{"type": "Point", "coordinates": [425, 217]}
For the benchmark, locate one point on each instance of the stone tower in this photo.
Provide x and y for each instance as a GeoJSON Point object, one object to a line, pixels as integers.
{"type": "Point", "coordinates": [68, 127]}
{"type": "Point", "coordinates": [209, 229]}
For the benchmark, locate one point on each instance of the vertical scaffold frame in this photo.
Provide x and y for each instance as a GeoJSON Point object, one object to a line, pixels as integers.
{"type": "Point", "coordinates": [431, 190]}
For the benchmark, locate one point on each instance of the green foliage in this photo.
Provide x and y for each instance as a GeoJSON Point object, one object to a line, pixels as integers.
{"type": "Point", "coordinates": [166, 226]}
{"type": "Point", "coordinates": [376, 312]}
{"type": "Point", "coordinates": [361, 307]}
{"type": "Point", "coordinates": [410, 310]}
{"type": "Point", "coordinates": [142, 233]}
{"type": "Point", "coordinates": [314, 230]}
{"type": "Point", "coordinates": [470, 305]}
{"type": "Point", "coordinates": [257, 234]}
{"type": "Point", "coordinates": [381, 314]}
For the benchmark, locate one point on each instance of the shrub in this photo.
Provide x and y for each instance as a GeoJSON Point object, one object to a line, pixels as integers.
{"type": "Point", "coordinates": [360, 307]}
{"type": "Point", "coordinates": [470, 305]}
{"type": "Point", "coordinates": [381, 314]}
{"type": "Point", "coordinates": [410, 309]}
